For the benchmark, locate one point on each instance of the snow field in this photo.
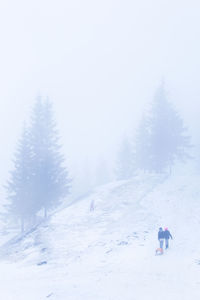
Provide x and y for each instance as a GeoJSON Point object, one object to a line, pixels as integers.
{"type": "Point", "coordinates": [108, 253]}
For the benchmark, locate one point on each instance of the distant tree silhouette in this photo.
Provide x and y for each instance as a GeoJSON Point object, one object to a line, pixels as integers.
{"type": "Point", "coordinates": [124, 166]}
{"type": "Point", "coordinates": [161, 138]}
{"type": "Point", "coordinates": [102, 175]}
{"type": "Point", "coordinates": [51, 181]}
{"type": "Point", "coordinates": [142, 145]}
{"type": "Point", "coordinates": [40, 179]}
{"type": "Point", "coordinates": [19, 187]}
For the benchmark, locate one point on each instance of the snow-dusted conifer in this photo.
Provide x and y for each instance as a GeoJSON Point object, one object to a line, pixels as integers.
{"type": "Point", "coordinates": [51, 181]}
{"type": "Point", "coordinates": [39, 179]}
{"type": "Point", "coordinates": [162, 136]}
{"type": "Point", "coordinates": [19, 187]}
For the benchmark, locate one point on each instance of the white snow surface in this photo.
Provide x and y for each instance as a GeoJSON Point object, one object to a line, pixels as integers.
{"type": "Point", "coordinates": [103, 247]}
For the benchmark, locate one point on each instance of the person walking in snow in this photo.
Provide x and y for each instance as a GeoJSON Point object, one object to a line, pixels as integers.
{"type": "Point", "coordinates": [167, 235]}
{"type": "Point", "coordinates": [161, 237]}
{"type": "Point", "coordinates": [92, 205]}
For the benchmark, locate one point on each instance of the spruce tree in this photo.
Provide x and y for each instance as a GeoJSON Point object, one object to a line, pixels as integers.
{"type": "Point", "coordinates": [51, 181]}
{"type": "Point", "coordinates": [19, 187]}
{"type": "Point", "coordinates": [39, 179]}
{"type": "Point", "coordinates": [162, 136]}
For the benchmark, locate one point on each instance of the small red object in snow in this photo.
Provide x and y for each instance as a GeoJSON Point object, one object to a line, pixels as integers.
{"type": "Point", "coordinates": [159, 251]}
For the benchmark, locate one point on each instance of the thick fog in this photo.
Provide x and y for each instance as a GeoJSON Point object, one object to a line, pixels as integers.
{"type": "Point", "coordinates": [100, 63]}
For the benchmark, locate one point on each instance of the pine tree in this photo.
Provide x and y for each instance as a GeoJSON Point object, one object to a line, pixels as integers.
{"type": "Point", "coordinates": [162, 136]}
{"type": "Point", "coordinates": [39, 180]}
{"type": "Point", "coordinates": [19, 187]}
{"type": "Point", "coordinates": [51, 181]}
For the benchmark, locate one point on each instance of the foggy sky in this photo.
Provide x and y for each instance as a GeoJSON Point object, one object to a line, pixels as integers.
{"type": "Point", "coordinates": [100, 63]}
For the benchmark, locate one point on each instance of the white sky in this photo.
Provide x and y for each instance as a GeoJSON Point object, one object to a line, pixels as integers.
{"type": "Point", "coordinates": [99, 62]}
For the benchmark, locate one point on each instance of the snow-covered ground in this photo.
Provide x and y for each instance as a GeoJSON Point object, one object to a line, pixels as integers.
{"type": "Point", "coordinates": [103, 247]}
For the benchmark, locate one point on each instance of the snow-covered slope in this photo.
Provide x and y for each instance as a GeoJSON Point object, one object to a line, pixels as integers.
{"type": "Point", "coordinates": [103, 247]}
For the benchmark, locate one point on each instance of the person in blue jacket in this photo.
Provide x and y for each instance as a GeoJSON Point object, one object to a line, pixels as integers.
{"type": "Point", "coordinates": [161, 237]}
{"type": "Point", "coordinates": [167, 235]}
